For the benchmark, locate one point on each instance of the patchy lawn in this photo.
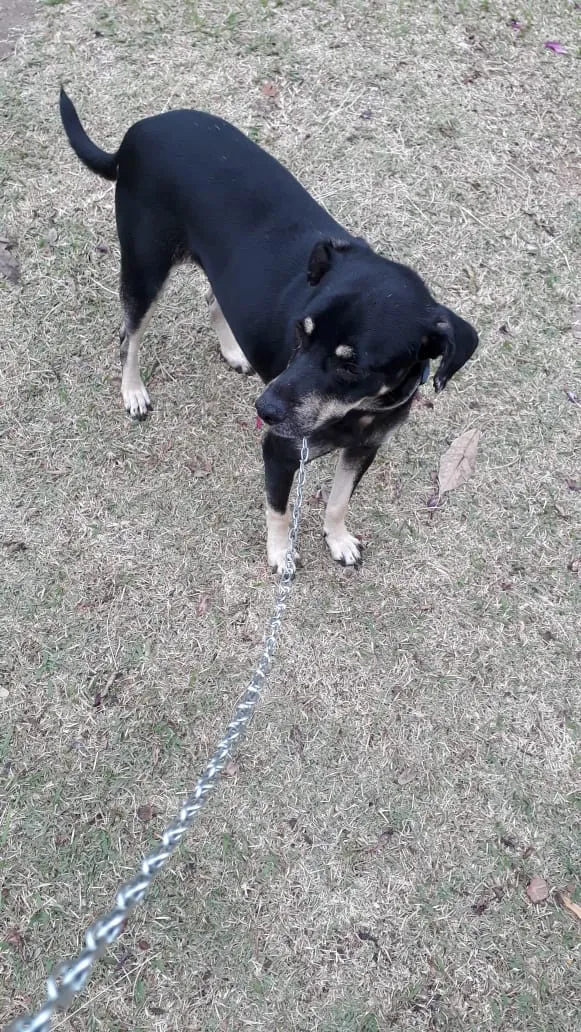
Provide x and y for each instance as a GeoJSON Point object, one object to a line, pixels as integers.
{"type": "Point", "coordinates": [415, 760]}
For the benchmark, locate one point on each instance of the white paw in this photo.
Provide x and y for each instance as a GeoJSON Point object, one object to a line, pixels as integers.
{"type": "Point", "coordinates": [343, 546]}
{"type": "Point", "coordinates": [277, 557]}
{"type": "Point", "coordinates": [136, 399]}
{"type": "Point", "coordinates": [237, 360]}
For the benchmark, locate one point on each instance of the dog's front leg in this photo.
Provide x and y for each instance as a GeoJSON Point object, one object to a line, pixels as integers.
{"type": "Point", "coordinates": [281, 461]}
{"type": "Point", "coordinates": [351, 465]}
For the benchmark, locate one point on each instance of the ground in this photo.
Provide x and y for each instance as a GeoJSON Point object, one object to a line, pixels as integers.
{"type": "Point", "coordinates": [415, 759]}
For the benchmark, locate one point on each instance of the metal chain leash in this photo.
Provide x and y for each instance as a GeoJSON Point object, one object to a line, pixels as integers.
{"type": "Point", "coordinates": [71, 976]}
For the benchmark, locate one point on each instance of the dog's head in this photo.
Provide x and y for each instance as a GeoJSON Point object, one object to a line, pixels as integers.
{"type": "Point", "coordinates": [364, 342]}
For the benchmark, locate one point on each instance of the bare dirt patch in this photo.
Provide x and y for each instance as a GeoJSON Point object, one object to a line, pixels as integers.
{"type": "Point", "coordinates": [14, 15]}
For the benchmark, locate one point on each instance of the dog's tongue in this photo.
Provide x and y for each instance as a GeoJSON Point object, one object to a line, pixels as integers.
{"type": "Point", "coordinates": [259, 423]}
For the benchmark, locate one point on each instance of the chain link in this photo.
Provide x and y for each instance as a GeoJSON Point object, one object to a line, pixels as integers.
{"type": "Point", "coordinates": [70, 977]}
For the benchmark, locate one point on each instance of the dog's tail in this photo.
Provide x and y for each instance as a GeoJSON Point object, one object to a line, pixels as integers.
{"type": "Point", "coordinates": [92, 156]}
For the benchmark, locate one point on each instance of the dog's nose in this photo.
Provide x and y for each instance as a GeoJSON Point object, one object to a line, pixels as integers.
{"type": "Point", "coordinates": [270, 408]}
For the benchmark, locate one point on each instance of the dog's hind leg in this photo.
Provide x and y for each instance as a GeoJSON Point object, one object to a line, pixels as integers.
{"type": "Point", "coordinates": [230, 349]}
{"type": "Point", "coordinates": [147, 252]}
{"type": "Point", "coordinates": [133, 389]}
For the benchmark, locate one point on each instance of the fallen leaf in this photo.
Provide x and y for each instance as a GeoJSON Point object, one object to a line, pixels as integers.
{"type": "Point", "coordinates": [482, 904]}
{"type": "Point", "coordinates": [203, 605]}
{"type": "Point", "coordinates": [198, 470]}
{"type": "Point", "coordinates": [145, 812]}
{"type": "Point", "coordinates": [143, 944]}
{"type": "Point", "coordinates": [572, 396]}
{"type": "Point", "coordinates": [14, 546]}
{"type": "Point", "coordinates": [509, 841]}
{"type": "Point", "coordinates": [270, 90]}
{"type": "Point", "coordinates": [527, 852]}
{"type": "Point", "coordinates": [574, 565]}
{"type": "Point", "coordinates": [321, 495]}
{"type": "Point", "coordinates": [565, 900]}
{"type": "Point", "coordinates": [14, 937]}
{"type": "Point", "coordinates": [555, 46]}
{"type": "Point", "coordinates": [573, 485]}
{"type": "Point", "coordinates": [231, 769]}
{"type": "Point", "coordinates": [9, 269]}
{"type": "Point", "coordinates": [537, 889]}
{"type": "Point", "coordinates": [433, 502]}
{"type": "Point", "coordinates": [471, 76]}
{"type": "Point", "coordinates": [457, 463]}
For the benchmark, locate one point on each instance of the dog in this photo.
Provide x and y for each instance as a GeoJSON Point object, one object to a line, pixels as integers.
{"type": "Point", "coordinates": [341, 336]}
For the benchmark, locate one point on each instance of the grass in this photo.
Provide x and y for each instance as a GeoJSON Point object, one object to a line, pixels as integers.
{"type": "Point", "coordinates": [415, 759]}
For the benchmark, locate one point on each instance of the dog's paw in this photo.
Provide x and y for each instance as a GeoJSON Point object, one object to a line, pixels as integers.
{"type": "Point", "coordinates": [343, 546]}
{"type": "Point", "coordinates": [136, 399]}
{"type": "Point", "coordinates": [277, 559]}
{"type": "Point", "coordinates": [237, 361]}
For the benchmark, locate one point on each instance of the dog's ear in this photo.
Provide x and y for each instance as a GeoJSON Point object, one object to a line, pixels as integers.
{"type": "Point", "coordinates": [321, 259]}
{"type": "Point", "coordinates": [451, 337]}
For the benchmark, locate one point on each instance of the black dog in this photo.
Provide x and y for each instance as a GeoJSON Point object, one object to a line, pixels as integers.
{"type": "Point", "coordinates": [342, 336]}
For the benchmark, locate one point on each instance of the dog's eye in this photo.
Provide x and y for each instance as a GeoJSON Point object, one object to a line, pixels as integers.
{"type": "Point", "coordinates": [345, 361]}
{"type": "Point", "coordinates": [347, 370]}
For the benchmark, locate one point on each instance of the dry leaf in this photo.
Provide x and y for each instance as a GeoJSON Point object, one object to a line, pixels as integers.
{"type": "Point", "coordinates": [231, 769]}
{"type": "Point", "coordinates": [573, 485]}
{"type": "Point", "coordinates": [561, 512]}
{"type": "Point", "coordinates": [270, 90]}
{"type": "Point", "coordinates": [572, 396]}
{"type": "Point", "coordinates": [14, 937]}
{"type": "Point", "coordinates": [537, 889]}
{"type": "Point", "coordinates": [574, 565]}
{"type": "Point", "coordinates": [569, 904]}
{"type": "Point", "coordinates": [198, 470]}
{"type": "Point", "coordinates": [9, 269]}
{"type": "Point", "coordinates": [555, 46]}
{"type": "Point", "coordinates": [457, 464]}
{"type": "Point", "coordinates": [145, 812]}
{"type": "Point", "coordinates": [203, 605]}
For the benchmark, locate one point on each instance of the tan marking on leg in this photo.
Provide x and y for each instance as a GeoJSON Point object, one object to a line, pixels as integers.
{"type": "Point", "coordinates": [344, 547]}
{"type": "Point", "coordinates": [277, 525]}
{"type": "Point", "coordinates": [135, 396]}
{"type": "Point", "coordinates": [229, 346]}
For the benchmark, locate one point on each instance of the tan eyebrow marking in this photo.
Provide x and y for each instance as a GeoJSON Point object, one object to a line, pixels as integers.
{"type": "Point", "coordinates": [344, 351]}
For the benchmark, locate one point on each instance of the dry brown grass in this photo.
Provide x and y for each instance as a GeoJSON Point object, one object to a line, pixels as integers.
{"type": "Point", "coordinates": [415, 759]}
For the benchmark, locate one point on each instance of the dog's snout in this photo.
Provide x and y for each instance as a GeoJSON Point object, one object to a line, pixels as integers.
{"type": "Point", "coordinates": [271, 408]}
